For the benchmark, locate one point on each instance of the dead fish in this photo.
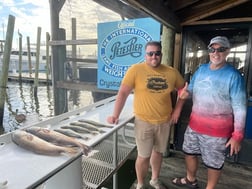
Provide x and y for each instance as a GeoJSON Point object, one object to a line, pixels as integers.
{"type": "Point", "coordinates": [35, 144]}
{"type": "Point", "coordinates": [95, 123]}
{"type": "Point", "coordinates": [79, 129]}
{"type": "Point", "coordinates": [71, 133]}
{"type": "Point", "coordinates": [57, 138]}
{"type": "Point", "coordinates": [88, 126]}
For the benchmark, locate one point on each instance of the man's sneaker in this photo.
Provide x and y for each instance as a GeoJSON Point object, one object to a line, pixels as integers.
{"type": "Point", "coordinates": [157, 184]}
{"type": "Point", "coordinates": [139, 187]}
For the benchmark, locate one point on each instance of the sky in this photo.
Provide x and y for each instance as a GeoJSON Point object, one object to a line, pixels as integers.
{"type": "Point", "coordinates": [29, 15]}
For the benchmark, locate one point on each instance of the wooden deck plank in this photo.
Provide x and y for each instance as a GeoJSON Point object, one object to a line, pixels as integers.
{"type": "Point", "coordinates": [234, 176]}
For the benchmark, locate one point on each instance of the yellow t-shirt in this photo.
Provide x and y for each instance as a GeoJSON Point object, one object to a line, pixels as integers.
{"type": "Point", "coordinates": [152, 88]}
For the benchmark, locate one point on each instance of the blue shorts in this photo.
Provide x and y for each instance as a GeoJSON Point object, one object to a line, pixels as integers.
{"type": "Point", "coordinates": [211, 149]}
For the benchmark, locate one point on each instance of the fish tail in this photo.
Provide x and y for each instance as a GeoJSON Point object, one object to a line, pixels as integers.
{"type": "Point", "coordinates": [70, 151]}
{"type": "Point", "coordinates": [85, 138]}
{"type": "Point", "coordinates": [85, 149]}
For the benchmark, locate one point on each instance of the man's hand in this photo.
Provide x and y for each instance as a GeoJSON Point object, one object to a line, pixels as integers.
{"type": "Point", "coordinates": [175, 116]}
{"type": "Point", "coordinates": [112, 120]}
{"type": "Point", "coordinates": [183, 93]}
{"type": "Point", "coordinates": [234, 145]}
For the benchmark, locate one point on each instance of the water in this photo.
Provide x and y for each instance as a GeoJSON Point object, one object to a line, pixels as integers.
{"type": "Point", "coordinates": [21, 97]}
{"type": "Point", "coordinates": [36, 108]}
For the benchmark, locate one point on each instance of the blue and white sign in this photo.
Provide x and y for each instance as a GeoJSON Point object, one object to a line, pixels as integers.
{"type": "Point", "coordinates": [121, 44]}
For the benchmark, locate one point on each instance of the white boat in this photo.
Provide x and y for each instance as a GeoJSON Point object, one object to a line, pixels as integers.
{"type": "Point", "coordinates": [14, 61]}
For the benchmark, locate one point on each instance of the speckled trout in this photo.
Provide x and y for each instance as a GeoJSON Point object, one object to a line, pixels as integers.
{"type": "Point", "coordinates": [57, 138]}
{"type": "Point", "coordinates": [35, 144]}
{"type": "Point", "coordinates": [88, 126]}
{"type": "Point", "coordinates": [79, 129]}
{"type": "Point", "coordinates": [71, 133]}
{"type": "Point", "coordinates": [95, 123]}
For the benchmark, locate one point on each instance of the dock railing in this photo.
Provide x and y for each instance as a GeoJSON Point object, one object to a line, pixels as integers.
{"type": "Point", "coordinates": [111, 149]}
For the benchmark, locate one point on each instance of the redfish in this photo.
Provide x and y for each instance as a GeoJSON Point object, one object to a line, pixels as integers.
{"type": "Point", "coordinates": [57, 138]}
{"type": "Point", "coordinates": [37, 145]}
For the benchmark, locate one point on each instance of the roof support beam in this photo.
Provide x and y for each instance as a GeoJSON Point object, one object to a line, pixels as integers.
{"type": "Point", "coordinates": [158, 11]}
{"type": "Point", "coordinates": [218, 21]}
{"type": "Point", "coordinates": [122, 8]}
{"type": "Point", "coordinates": [210, 8]}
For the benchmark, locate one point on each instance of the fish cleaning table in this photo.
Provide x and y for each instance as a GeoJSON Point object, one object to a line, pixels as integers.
{"type": "Point", "coordinates": [24, 169]}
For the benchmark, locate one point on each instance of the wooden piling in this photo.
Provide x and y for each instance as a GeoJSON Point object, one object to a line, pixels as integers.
{"type": "Point", "coordinates": [20, 57]}
{"type": "Point", "coordinates": [61, 94]}
{"type": "Point", "coordinates": [5, 66]}
{"type": "Point", "coordinates": [168, 39]}
{"type": "Point", "coordinates": [1, 45]}
{"type": "Point", "coordinates": [74, 56]}
{"type": "Point", "coordinates": [37, 61]}
{"type": "Point", "coordinates": [74, 51]}
{"type": "Point", "coordinates": [58, 58]}
{"type": "Point", "coordinates": [48, 60]}
{"type": "Point", "coordinates": [29, 54]}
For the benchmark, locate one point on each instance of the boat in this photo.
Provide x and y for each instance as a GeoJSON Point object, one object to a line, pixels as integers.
{"type": "Point", "coordinates": [14, 61]}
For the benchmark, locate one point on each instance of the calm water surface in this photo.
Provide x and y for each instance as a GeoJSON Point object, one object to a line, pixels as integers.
{"type": "Point", "coordinates": [36, 108]}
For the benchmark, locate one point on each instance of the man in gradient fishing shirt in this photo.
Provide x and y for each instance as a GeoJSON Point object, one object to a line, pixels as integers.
{"type": "Point", "coordinates": [218, 115]}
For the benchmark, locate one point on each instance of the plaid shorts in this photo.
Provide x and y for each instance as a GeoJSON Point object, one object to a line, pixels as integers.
{"type": "Point", "coordinates": [211, 149]}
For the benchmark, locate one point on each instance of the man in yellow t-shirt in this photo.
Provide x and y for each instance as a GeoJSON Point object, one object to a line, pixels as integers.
{"type": "Point", "coordinates": [152, 83]}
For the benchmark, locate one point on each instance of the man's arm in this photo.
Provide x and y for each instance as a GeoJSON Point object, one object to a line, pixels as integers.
{"type": "Point", "coordinates": [177, 110]}
{"type": "Point", "coordinates": [121, 98]}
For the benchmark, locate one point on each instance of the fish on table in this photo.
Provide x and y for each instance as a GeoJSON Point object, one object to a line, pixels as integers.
{"type": "Point", "coordinates": [88, 126]}
{"type": "Point", "coordinates": [95, 123]}
{"type": "Point", "coordinates": [71, 133]}
{"type": "Point", "coordinates": [57, 138]}
{"type": "Point", "coordinates": [37, 145]}
{"type": "Point", "coordinates": [79, 129]}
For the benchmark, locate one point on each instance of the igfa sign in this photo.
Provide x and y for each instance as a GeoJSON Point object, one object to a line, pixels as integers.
{"type": "Point", "coordinates": [121, 44]}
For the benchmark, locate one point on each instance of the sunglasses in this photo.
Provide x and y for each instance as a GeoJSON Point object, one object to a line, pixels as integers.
{"type": "Point", "coordinates": [151, 53]}
{"type": "Point", "coordinates": [220, 49]}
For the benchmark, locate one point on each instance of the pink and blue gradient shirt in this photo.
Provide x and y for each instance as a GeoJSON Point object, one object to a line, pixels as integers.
{"type": "Point", "coordinates": [219, 102]}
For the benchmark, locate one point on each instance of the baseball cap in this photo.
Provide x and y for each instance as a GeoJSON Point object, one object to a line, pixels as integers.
{"type": "Point", "coordinates": [222, 40]}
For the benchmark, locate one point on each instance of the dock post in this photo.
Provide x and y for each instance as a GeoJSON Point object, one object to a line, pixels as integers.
{"type": "Point", "coordinates": [20, 56]}
{"type": "Point", "coordinates": [74, 64]}
{"type": "Point", "coordinates": [168, 40]}
{"type": "Point", "coordinates": [58, 58]}
{"type": "Point", "coordinates": [5, 66]}
{"type": "Point", "coordinates": [29, 54]}
{"type": "Point", "coordinates": [74, 54]}
{"type": "Point", "coordinates": [37, 60]}
{"type": "Point", "coordinates": [48, 60]}
{"type": "Point", "coordinates": [1, 45]}
{"type": "Point", "coordinates": [59, 74]}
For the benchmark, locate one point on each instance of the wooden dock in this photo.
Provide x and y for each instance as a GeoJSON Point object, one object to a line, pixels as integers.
{"type": "Point", "coordinates": [234, 176]}
{"type": "Point", "coordinates": [29, 78]}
